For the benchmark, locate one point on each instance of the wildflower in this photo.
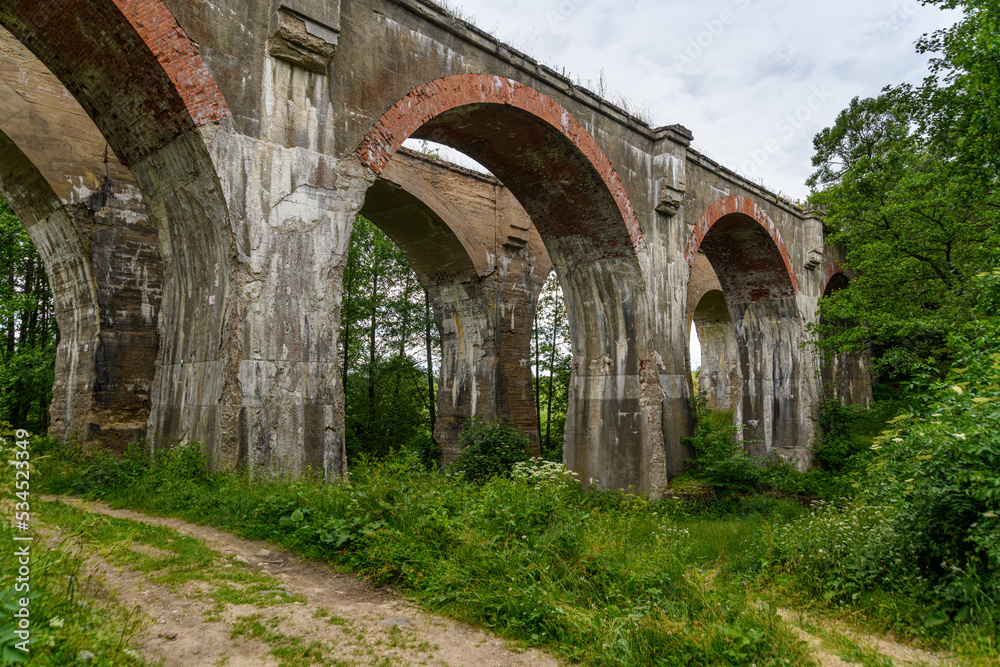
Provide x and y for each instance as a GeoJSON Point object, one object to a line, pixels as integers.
{"type": "Point", "coordinates": [958, 390]}
{"type": "Point", "coordinates": [960, 436]}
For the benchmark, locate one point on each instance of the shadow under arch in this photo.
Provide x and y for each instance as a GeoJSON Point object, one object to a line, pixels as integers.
{"type": "Point", "coordinates": [140, 79]}
{"type": "Point", "coordinates": [755, 272]}
{"type": "Point", "coordinates": [484, 371]}
{"type": "Point", "coordinates": [87, 219]}
{"type": "Point", "coordinates": [578, 205]}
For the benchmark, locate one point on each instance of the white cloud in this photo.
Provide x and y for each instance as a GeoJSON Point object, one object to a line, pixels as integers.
{"type": "Point", "coordinates": [738, 73]}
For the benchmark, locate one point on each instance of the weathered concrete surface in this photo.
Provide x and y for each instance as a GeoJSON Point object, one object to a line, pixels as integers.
{"type": "Point", "coordinates": [473, 247]}
{"type": "Point", "coordinates": [86, 217]}
{"type": "Point", "coordinates": [844, 377]}
{"type": "Point", "coordinates": [719, 377]}
{"type": "Point", "coordinates": [257, 131]}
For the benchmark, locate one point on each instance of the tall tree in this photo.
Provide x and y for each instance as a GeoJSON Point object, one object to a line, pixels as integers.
{"type": "Point", "coordinates": [910, 182]}
{"type": "Point", "coordinates": [27, 357]}
{"type": "Point", "coordinates": [384, 326]}
{"type": "Point", "coordinates": [553, 361]}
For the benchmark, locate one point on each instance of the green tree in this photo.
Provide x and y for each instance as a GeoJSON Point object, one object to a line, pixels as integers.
{"type": "Point", "coordinates": [30, 335]}
{"type": "Point", "coordinates": [384, 323]}
{"type": "Point", "coordinates": [909, 180]}
{"type": "Point", "coordinates": [553, 364]}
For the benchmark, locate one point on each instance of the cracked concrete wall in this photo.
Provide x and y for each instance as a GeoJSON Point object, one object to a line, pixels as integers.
{"type": "Point", "coordinates": [253, 187]}
{"type": "Point", "coordinates": [87, 219]}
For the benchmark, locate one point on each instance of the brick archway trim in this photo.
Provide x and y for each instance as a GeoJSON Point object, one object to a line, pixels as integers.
{"type": "Point", "coordinates": [440, 95]}
{"type": "Point", "coordinates": [128, 63]}
{"type": "Point", "coordinates": [749, 208]}
{"type": "Point", "coordinates": [830, 271]}
{"type": "Point", "coordinates": [179, 58]}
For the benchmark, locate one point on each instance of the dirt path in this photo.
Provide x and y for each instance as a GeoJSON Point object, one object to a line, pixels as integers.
{"type": "Point", "coordinates": [312, 615]}
{"type": "Point", "coordinates": [831, 641]}
{"type": "Point", "coordinates": [339, 619]}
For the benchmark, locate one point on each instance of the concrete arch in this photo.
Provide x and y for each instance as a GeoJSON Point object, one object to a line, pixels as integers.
{"type": "Point", "coordinates": [830, 274]}
{"type": "Point", "coordinates": [755, 272]}
{"type": "Point", "coordinates": [140, 79]}
{"type": "Point", "coordinates": [441, 223]}
{"type": "Point", "coordinates": [74, 288]}
{"type": "Point", "coordinates": [432, 100]}
{"type": "Point", "coordinates": [728, 212]}
{"type": "Point", "coordinates": [547, 159]}
{"type": "Point", "coordinates": [844, 376]}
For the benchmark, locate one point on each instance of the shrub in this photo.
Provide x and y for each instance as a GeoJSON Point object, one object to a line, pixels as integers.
{"type": "Point", "coordinates": [925, 523]}
{"type": "Point", "coordinates": [489, 449]}
{"type": "Point", "coordinates": [721, 461]}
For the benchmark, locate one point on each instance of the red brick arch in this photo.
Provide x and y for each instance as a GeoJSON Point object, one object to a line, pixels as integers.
{"type": "Point", "coordinates": [733, 207]}
{"type": "Point", "coordinates": [829, 272]}
{"type": "Point", "coordinates": [432, 99]}
{"type": "Point", "coordinates": [128, 63]}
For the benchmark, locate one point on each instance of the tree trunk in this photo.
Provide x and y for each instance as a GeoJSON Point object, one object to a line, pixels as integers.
{"type": "Point", "coordinates": [538, 373]}
{"type": "Point", "coordinates": [431, 399]}
{"type": "Point", "coordinates": [552, 363]}
{"type": "Point", "coordinates": [371, 349]}
{"type": "Point", "coordinates": [346, 326]}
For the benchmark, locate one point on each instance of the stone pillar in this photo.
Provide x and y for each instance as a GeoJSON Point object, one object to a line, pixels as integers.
{"type": "Point", "coordinates": [719, 377]}
{"type": "Point", "coordinates": [485, 372]}
{"type": "Point", "coordinates": [104, 271]}
{"type": "Point", "coordinates": [774, 411]}
{"type": "Point", "coordinates": [117, 234]}
{"type": "Point", "coordinates": [292, 212]}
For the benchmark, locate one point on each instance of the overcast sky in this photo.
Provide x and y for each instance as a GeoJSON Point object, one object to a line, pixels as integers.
{"type": "Point", "coordinates": [754, 80]}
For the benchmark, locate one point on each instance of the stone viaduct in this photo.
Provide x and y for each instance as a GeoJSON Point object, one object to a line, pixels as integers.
{"type": "Point", "coordinates": [190, 172]}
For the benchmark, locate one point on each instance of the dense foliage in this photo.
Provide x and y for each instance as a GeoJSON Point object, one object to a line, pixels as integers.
{"type": "Point", "coordinates": [489, 449]}
{"type": "Point", "coordinates": [386, 325]}
{"type": "Point", "coordinates": [910, 182]}
{"type": "Point", "coordinates": [925, 521]}
{"type": "Point", "coordinates": [30, 335]}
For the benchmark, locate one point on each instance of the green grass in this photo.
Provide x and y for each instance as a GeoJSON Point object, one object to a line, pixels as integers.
{"type": "Point", "coordinates": [603, 579]}
{"type": "Point", "coordinates": [70, 611]}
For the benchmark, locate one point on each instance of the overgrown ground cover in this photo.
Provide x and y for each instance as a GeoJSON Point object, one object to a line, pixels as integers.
{"type": "Point", "coordinates": [896, 531]}
{"type": "Point", "coordinates": [599, 578]}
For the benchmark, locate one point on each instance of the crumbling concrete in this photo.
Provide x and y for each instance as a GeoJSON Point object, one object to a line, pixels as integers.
{"type": "Point", "coordinates": [256, 130]}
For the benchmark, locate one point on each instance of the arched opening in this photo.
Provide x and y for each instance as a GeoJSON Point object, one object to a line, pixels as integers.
{"type": "Point", "coordinates": [719, 375]}
{"type": "Point", "coordinates": [86, 218]}
{"type": "Point", "coordinates": [142, 83]}
{"type": "Point", "coordinates": [844, 375]}
{"type": "Point", "coordinates": [578, 205]}
{"type": "Point", "coordinates": [759, 286]}
{"type": "Point", "coordinates": [446, 222]}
